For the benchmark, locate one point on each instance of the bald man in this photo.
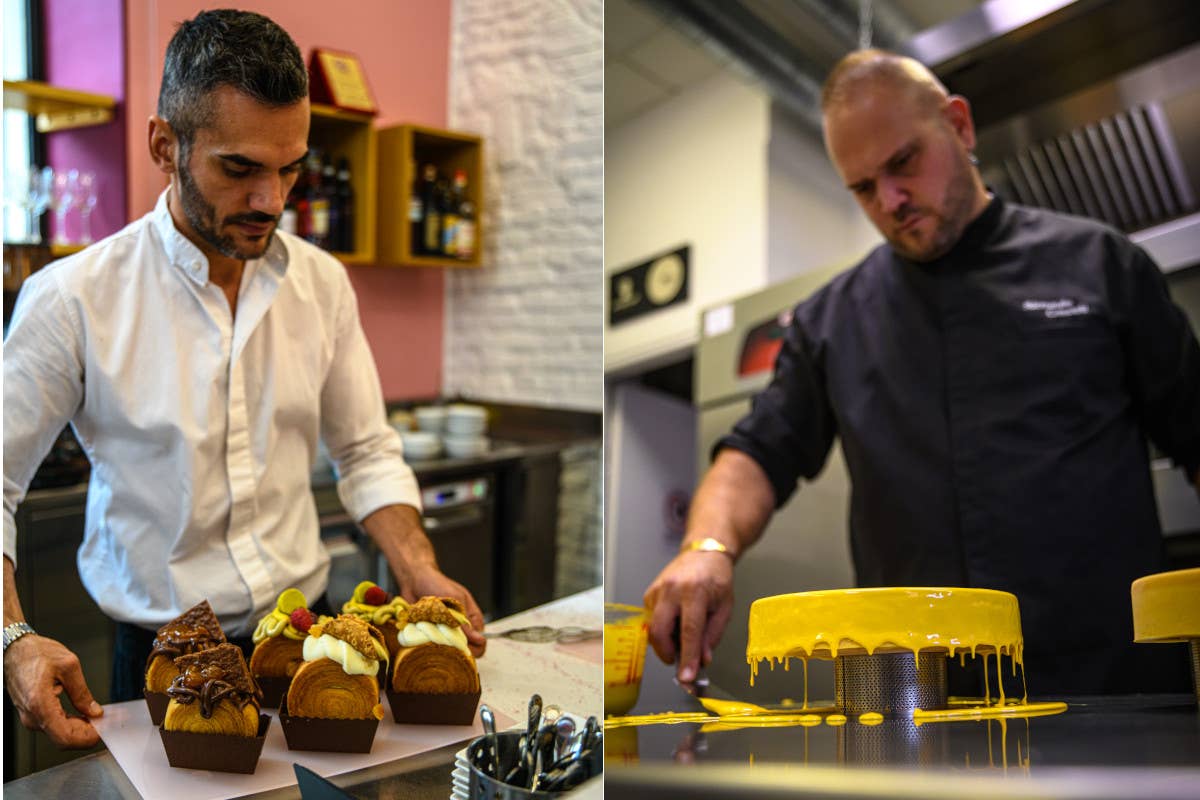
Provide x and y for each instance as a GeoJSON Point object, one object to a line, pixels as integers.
{"type": "Point", "coordinates": [993, 373]}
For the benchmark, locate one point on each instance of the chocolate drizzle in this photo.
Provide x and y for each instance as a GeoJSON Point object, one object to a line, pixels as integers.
{"type": "Point", "coordinates": [206, 684]}
{"type": "Point", "coordinates": [179, 639]}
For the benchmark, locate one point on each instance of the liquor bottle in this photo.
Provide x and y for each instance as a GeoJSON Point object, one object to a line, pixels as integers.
{"type": "Point", "coordinates": [431, 237]}
{"type": "Point", "coordinates": [318, 201]}
{"type": "Point", "coordinates": [345, 199]}
{"type": "Point", "coordinates": [416, 212]}
{"type": "Point", "coordinates": [299, 198]}
{"type": "Point", "coordinates": [451, 199]}
{"type": "Point", "coordinates": [465, 233]}
{"type": "Point", "coordinates": [329, 189]}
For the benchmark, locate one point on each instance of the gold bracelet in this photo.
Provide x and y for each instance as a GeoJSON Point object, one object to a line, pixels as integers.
{"type": "Point", "coordinates": [707, 545]}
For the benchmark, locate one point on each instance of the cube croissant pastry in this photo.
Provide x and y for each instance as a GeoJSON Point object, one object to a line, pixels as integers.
{"type": "Point", "coordinates": [213, 694]}
{"type": "Point", "coordinates": [192, 631]}
{"type": "Point", "coordinates": [433, 657]}
{"type": "Point", "coordinates": [338, 679]}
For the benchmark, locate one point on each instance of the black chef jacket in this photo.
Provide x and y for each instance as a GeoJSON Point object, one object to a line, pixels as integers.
{"type": "Point", "coordinates": [993, 407]}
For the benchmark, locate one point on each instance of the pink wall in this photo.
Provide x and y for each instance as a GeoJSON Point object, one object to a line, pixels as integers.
{"type": "Point", "coordinates": [404, 47]}
{"type": "Point", "coordinates": [83, 49]}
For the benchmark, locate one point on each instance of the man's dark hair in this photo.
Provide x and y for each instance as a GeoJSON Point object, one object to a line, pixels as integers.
{"type": "Point", "coordinates": [226, 47]}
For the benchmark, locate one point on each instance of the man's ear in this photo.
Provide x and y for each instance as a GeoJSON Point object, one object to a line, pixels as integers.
{"type": "Point", "coordinates": [164, 145]}
{"type": "Point", "coordinates": [958, 113]}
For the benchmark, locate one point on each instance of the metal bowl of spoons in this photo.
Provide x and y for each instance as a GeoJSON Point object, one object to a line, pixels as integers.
{"type": "Point", "coordinates": [550, 756]}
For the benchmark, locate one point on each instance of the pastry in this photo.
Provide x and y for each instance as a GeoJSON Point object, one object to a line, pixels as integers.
{"type": "Point", "coordinates": [372, 604]}
{"type": "Point", "coordinates": [192, 631]}
{"type": "Point", "coordinates": [433, 657]}
{"type": "Point", "coordinates": [279, 645]}
{"type": "Point", "coordinates": [338, 679]}
{"type": "Point", "coordinates": [213, 694]}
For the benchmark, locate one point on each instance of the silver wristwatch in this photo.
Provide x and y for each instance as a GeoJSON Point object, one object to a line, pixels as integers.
{"type": "Point", "coordinates": [14, 632]}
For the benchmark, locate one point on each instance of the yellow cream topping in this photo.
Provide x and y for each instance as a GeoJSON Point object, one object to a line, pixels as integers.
{"type": "Point", "coordinates": [279, 620]}
{"type": "Point", "coordinates": [376, 615]}
{"type": "Point", "coordinates": [417, 633]}
{"type": "Point", "coordinates": [352, 661]}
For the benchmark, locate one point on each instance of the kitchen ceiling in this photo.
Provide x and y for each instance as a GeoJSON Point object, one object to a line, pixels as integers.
{"type": "Point", "coordinates": [651, 55]}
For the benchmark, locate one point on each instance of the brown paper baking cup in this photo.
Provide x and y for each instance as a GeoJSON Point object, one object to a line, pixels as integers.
{"type": "Point", "coordinates": [215, 751]}
{"type": "Point", "coordinates": [273, 689]}
{"type": "Point", "coordinates": [433, 709]}
{"type": "Point", "coordinates": [156, 703]}
{"type": "Point", "coordinates": [329, 735]}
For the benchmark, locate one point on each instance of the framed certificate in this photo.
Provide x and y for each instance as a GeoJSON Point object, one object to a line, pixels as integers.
{"type": "Point", "coordinates": [338, 79]}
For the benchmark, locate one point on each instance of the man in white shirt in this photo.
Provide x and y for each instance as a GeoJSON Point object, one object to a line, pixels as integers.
{"type": "Point", "coordinates": [200, 356]}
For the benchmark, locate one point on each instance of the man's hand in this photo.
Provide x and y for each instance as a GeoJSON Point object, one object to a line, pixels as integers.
{"type": "Point", "coordinates": [398, 532]}
{"type": "Point", "coordinates": [436, 583]}
{"type": "Point", "coordinates": [694, 591]}
{"type": "Point", "coordinates": [36, 671]}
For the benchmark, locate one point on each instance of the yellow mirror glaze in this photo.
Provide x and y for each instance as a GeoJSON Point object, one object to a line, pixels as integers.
{"type": "Point", "coordinates": [1166, 607]}
{"type": "Point", "coordinates": [827, 624]}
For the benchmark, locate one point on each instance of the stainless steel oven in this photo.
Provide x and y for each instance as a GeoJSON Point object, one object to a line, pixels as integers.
{"type": "Point", "coordinates": [459, 519]}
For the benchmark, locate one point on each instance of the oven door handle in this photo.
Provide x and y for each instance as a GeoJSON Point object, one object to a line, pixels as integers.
{"type": "Point", "coordinates": [454, 518]}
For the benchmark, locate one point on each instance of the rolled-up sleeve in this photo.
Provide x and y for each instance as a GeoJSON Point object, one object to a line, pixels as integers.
{"type": "Point", "coordinates": [366, 451]}
{"type": "Point", "coordinates": [790, 428]}
{"type": "Point", "coordinates": [43, 387]}
{"type": "Point", "coordinates": [1163, 359]}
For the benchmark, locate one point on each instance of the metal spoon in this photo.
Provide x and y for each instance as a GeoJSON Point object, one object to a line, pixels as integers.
{"type": "Point", "coordinates": [489, 727]}
{"type": "Point", "coordinates": [542, 750]}
{"type": "Point", "coordinates": [550, 715]}
{"type": "Point", "coordinates": [564, 727]}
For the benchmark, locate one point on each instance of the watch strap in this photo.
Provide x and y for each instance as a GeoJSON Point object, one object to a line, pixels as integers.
{"type": "Point", "coordinates": [15, 631]}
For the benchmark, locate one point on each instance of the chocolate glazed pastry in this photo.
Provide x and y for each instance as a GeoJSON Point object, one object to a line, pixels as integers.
{"type": "Point", "coordinates": [213, 694]}
{"type": "Point", "coordinates": [174, 640]}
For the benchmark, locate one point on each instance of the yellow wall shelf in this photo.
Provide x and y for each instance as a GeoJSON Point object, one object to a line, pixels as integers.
{"type": "Point", "coordinates": [57, 109]}
{"type": "Point", "coordinates": [402, 151]}
{"type": "Point", "coordinates": [352, 135]}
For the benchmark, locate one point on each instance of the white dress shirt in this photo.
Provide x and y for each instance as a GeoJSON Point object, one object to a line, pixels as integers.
{"type": "Point", "coordinates": [201, 427]}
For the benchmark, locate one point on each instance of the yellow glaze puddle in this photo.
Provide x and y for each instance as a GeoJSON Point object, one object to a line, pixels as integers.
{"type": "Point", "coordinates": [724, 708]}
{"type": "Point", "coordinates": [978, 712]}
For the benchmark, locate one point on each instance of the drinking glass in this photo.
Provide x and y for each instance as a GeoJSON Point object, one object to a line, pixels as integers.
{"type": "Point", "coordinates": [37, 199]}
{"type": "Point", "coordinates": [66, 190]}
{"type": "Point", "coordinates": [88, 197]}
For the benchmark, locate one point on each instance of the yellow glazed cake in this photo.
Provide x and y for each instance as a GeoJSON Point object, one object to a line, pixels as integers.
{"type": "Point", "coordinates": [840, 622]}
{"type": "Point", "coordinates": [1166, 607]}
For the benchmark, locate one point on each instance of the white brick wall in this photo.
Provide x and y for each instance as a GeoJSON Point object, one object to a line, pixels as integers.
{"type": "Point", "coordinates": [527, 75]}
{"type": "Point", "coordinates": [578, 558]}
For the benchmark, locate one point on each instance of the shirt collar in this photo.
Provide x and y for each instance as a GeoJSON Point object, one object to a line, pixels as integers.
{"type": "Point", "coordinates": [183, 254]}
{"type": "Point", "coordinates": [975, 234]}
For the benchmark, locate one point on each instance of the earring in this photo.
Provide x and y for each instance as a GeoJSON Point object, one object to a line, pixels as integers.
{"type": "Point", "coordinates": [973, 159]}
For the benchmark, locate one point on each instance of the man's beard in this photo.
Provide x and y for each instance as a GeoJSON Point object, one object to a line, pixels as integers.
{"type": "Point", "coordinates": [202, 216]}
{"type": "Point", "coordinates": [951, 220]}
